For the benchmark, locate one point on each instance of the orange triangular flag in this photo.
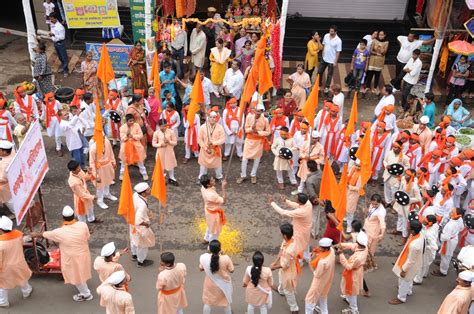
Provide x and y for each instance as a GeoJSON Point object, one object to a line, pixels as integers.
{"type": "Point", "coordinates": [341, 207]}
{"type": "Point", "coordinates": [265, 81]}
{"type": "Point", "coordinates": [311, 104]}
{"type": "Point", "coordinates": [197, 98]}
{"type": "Point", "coordinates": [105, 72]}
{"type": "Point", "coordinates": [155, 75]}
{"type": "Point", "coordinates": [350, 129]}
{"type": "Point", "coordinates": [249, 89]}
{"type": "Point", "coordinates": [158, 188]}
{"type": "Point", "coordinates": [98, 131]}
{"type": "Point", "coordinates": [363, 153]}
{"type": "Point", "coordinates": [329, 189]}
{"type": "Point", "coordinates": [126, 207]}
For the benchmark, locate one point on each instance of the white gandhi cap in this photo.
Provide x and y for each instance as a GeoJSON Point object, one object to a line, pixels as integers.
{"type": "Point", "coordinates": [260, 107]}
{"type": "Point", "coordinates": [6, 144]}
{"type": "Point", "coordinates": [108, 249]}
{"type": "Point", "coordinates": [466, 275]}
{"type": "Point", "coordinates": [424, 120]}
{"type": "Point", "coordinates": [213, 114]}
{"type": "Point", "coordinates": [141, 187]}
{"type": "Point", "coordinates": [362, 238]}
{"type": "Point", "coordinates": [116, 277]}
{"type": "Point", "coordinates": [67, 211]}
{"type": "Point", "coordinates": [6, 223]}
{"type": "Point", "coordinates": [325, 242]}
{"type": "Point", "coordinates": [315, 134]}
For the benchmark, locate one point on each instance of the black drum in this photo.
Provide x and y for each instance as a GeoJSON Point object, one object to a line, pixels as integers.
{"type": "Point", "coordinates": [396, 169]}
{"type": "Point", "coordinates": [115, 116]}
{"type": "Point", "coordinates": [352, 152]}
{"type": "Point", "coordinates": [286, 153]}
{"type": "Point", "coordinates": [402, 198]}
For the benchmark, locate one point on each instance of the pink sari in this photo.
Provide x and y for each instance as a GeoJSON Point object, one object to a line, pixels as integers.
{"type": "Point", "coordinates": [154, 115]}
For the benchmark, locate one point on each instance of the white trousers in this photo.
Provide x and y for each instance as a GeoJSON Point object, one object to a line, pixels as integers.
{"type": "Point", "coordinates": [389, 191]}
{"type": "Point", "coordinates": [469, 197]}
{"type": "Point", "coordinates": [210, 236]}
{"type": "Point", "coordinates": [444, 265]}
{"type": "Point", "coordinates": [140, 252]}
{"type": "Point", "coordinates": [171, 174]}
{"type": "Point", "coordinates": [88, 217]}
{"type": "Point", "coordinates": [323, 306]}
{"type": "Point", "coordinates": [203, 170]}
{"type": "Point", "coordinates": [402, 225]}
{"type": "Point", "coordinates": [291, 175]}
{"type": "Point", "coordinates": [289, 295]}
{"type": "Point", "coordinates": [238, 149]}
{"type": "Point", "coordinates": [349, 220]}
{"type": "Point", "coordinates": [404, 289]}
{"type": "Point", "coordinates": [352, 299]}
{"type": "Point", "coordinates": [301, 186]}
{"type": "Point", "coordinates": [83, 289]}
{"type": "Point", "coordinates": [187, 153]}
{"type": "Point", "coordinates": [103, 192]}
{"type": "Point", "coordinates": [243, 167]}
{"type": "Point", "coordinates": [207, 309]}
{"type": "Point", "coordinates": [251, 309]}
{"type": "Point", "coordinates": [428, 258]}
{"type": "Point", "coordinates": [141, 167]}
{"type": "Point", "coordinates": [58, 141]}
{"type": "Point", "coordinates": [316, 220]}
{"type": "Point", "coordinates": [25, 290]}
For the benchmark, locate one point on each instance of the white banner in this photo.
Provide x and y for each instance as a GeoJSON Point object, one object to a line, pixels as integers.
{"type": "Point", "coordinates": [27, 171]}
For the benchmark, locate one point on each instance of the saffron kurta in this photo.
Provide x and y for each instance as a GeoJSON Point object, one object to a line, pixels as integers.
{"type": "Point", "coordinates": [253, 295]}
{"type": "Point", "coordinates": [323, 275]}
{"type": "Point", "coordinates": [211, 137]}
{"type": "Point", "coordinates": [136, 137]}
{"type": "Point", "coordinates": [105, 269]}
{"type": "Point", "coordinates": [116, 300]}
{"type": "Point", "coordinates": [288, 272]}
{"type": "Point", "coordinates": [170, 286]}
{"type": "Point", "coordinates": [353, 266]}
{"type": "Point", "coordinates": [316, 154]}
{"type": "Point", "coordinates": [104, 167]}
{"type": "Point", "coordinates": [165, 149]}
{"type": "Point", "coordinates": [14, 271]}
{"type": "Point", "coordinates": [254, 143]}
{"type": "Point", "coordinates": [212, 204]}
{"type": "Point", "coordinates": [211, 294]}
{"type": "Point", "coordinates": [302, 219]}
{"type": "Point", "coordinates": [73, 242]}
{"type": "Point", "coordinates": [5, 193]}
{"type": "Point", "coordinates": [373, 224]}
{"type": "Point", "coordinates": [457, 302]}
{"type": "Point", "coordinates": [141, 236]}
{"type": "Point", "coordinates": [83, 199]}
{"type": "Point", "coordinates": [353, 190]}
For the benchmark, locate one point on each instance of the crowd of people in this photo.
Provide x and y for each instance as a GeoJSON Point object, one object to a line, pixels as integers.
{"type": "Point", "coordinates": [427, 181]}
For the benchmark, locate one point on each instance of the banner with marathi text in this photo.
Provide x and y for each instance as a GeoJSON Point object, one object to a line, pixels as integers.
{"type": "Point", "coordinates": [91, 13]}
{"type": "Point", "coordinates": [27, 171]}
{"type": "Point", "coordinates": [118, 55]}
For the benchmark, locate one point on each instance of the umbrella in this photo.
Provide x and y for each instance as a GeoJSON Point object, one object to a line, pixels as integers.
{"type": "Point", "coordinates": [461, 47]}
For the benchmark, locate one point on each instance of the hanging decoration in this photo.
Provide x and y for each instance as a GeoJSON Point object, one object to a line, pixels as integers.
{"type": "Point", "coordinates": [180, 8]}
{"type": "Point", "coordinates": [246, 22]}
{"type": "Point", "coordinates": [275, 44]}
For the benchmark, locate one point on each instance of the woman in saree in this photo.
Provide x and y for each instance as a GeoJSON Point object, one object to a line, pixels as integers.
{"type": "Point", "coordinates": [155, 110]}
{"type": "Point", "coordinates": [460, 116]}
{"type": "Point", "coordinates": [246, 55]}
{"type": "Point", "coordinates": [42, 71]}
{"type": "Point", "coordinates": [219, 57]}
{"type": "Point", "coordinates": [137, 64]}
{"type": "Point", "coordinates": [299, 82]}
{"type": "Point", "coordinates": [89, 74]}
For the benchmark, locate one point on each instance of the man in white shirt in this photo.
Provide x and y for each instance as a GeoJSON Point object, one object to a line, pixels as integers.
{"type": "Point", "coordinates": [207, 88]}
{"type": "Point", "coordinates": [338, 98]}
{"type": "Point", "coordinates": [69, 126]}
{"type": "Point", "coordinates": [332, 47]}
{"type": "Point", "coordinates": [412, 73]}
{"type": "Point", "coordinates": [179, 45]}
{"type": "Point", "coordinates": [407, 45]}
{"type": "Point", "coordinates": [58, 34]}
{"type": "Point", "coordinates": [387, 99]}
{"type": "Point", "coordinates": [233, 81]}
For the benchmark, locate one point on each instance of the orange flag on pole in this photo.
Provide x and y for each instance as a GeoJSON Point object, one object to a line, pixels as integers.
{"type": "Point", "coordinates": [350, 129]}
{"type": "Point", "coordinates": [311, 104]}
{"type": "Point", "coordinates": [105, 72]}
{"type": "Point", "coordinates": [247, 93]}
{"type": "Point", "coordinates": [155, 74]}
{"type": "Point", "coordinates": [329, 189]}
{"type": "Point", "coordinates": [158, 188]}
{"type": "Point", "coordinates": [364, 155]}
{"type": "Point", "coordinates": [341, 207]}
{"type": "Point", "coordinates": [98, 131]}
{"type": "Point", "coordinates": [126, 207]}
{"type": "Point", "coordinates": [197, 98]}
{"type": "Point", "coordinates": [265, 81]}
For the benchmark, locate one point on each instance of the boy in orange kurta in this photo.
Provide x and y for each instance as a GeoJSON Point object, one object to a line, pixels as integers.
{"type": "Point", "coordinates": [164, 139]}
{"type": "Point", "coordinates": [103, 169]}
{"type": "Point", "coordinates": [83, 199]}
{"type": "Point", "coordinates": [113, 292]}
{"type": "Point", "coordinates": [132, 150]}
{"type": "Point", "coordinates": [289, 268]}
{"type": "Point", "coordinates": [170, 285]}
{"type": "Point", "coordinates": [215, 216]}
{"type": "Point", "coordinates": [311, 149]}
{"type": "Point", "coordinates": [73, 239]}
{"type": "Point", "coordinates": [323, 266]}
{"type": "Point", "coordinates": [211, 137]}
{"type": "Point", "coordinates": [353, 274]}
{"type": "Point", "coordinates": [14, 272]}
{"type": "Point", "coordinates": [257, 130]}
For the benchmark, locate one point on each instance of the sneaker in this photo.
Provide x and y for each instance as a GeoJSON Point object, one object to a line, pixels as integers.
{"type": "Point", "coordinates": [102, 205]}
{"type": "Point", "coordinates": [79, 297]}
{"type": "Point", "coordinates": [295, 192]}
{"type": "Point", "coordinates": [97, 220]}
{"type": "Point", "coordinates": [349, 229]}
{"type": "Point", "coordinates": [240, 180]}
{"type": "Point", "coordinates": [317, 309]}
{"type": "Point", "coordinates": [134, 257]}
{"type": "Point", "coordinates": [145, 177]}
{"type": "Point", "coordinates": [395, 90]}
{"type": "Point", "coordinates": [111, 197]}
{"type": "Point", "coordinates": [27, 295]}
{"type": "Point", "coordinates": [253, 180]}
{"type": "Point", "coordinates": [145, 263]}
{"type": "Point", "coordinates": [326, 90]}
{"type": "Point", "coordinates": [173, 182]}
{"type": "Point", "coordinates": [4, 305]}
{"type": "Point", "coordinates": [65, 74]}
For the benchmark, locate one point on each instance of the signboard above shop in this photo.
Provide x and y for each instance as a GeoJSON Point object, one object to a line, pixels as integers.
{"type": "Point", "coordinates": [91, 13]}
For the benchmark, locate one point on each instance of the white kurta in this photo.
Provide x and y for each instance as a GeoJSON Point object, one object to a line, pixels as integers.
{"type": "Point", "coordinates": [280, 164]}
{"type": "Point", "coordinates": [197, 47]}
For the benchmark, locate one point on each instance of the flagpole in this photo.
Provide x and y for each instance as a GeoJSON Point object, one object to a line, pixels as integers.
{"type": "Point", "coordinates": [162, 219]}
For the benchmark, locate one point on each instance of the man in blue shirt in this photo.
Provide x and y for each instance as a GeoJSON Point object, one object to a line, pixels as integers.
{"type": "Point", "coordinates": [167, 78]}
{"type": "Point", "coordinates": [429, 109]}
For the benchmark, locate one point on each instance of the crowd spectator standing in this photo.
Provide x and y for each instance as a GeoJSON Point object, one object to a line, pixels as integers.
{"type": "Point", "coordinates": [332, 47]}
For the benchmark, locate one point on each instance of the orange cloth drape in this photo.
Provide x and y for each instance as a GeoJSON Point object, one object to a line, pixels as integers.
{"type": "Point", "coordinates": [404, 254]}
